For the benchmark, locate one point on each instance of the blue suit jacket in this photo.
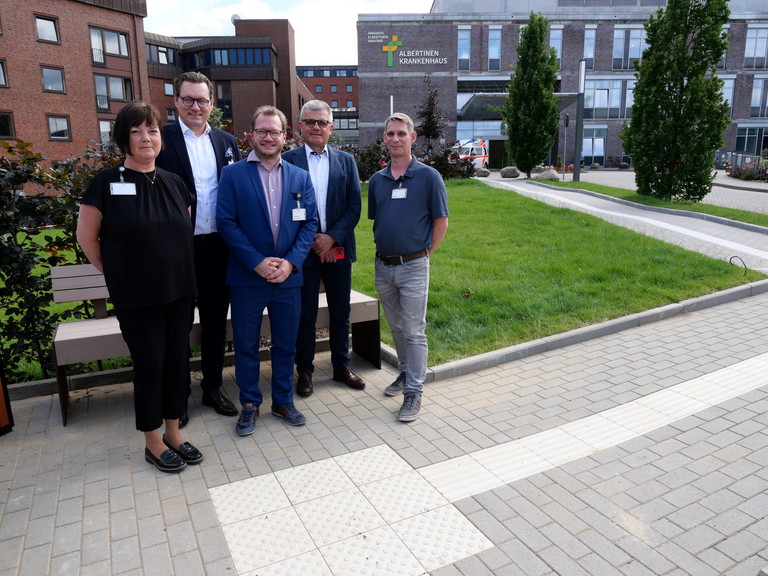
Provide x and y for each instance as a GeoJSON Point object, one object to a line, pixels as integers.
{"type": "Point", "coordinates": [242, 219]}
{"type": "Point", "coordinates": [174, 157]}
{"type": "Point", "coordinates": [343, 205]}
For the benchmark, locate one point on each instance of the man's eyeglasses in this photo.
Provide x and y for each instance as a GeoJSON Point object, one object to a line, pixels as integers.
{"type": "Point", "coordinates": [310, 122]}
{"type": "Point", "coordinates": [261, 133]}
{"type": "Point", "coordinates": [189, 102]}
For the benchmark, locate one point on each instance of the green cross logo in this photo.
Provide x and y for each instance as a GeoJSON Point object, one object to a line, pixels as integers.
{"type": "Point", "coordinates": [390, 48]}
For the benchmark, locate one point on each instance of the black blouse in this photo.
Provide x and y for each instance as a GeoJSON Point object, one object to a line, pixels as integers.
{"type": "Point", "coordinates": [146, 237]}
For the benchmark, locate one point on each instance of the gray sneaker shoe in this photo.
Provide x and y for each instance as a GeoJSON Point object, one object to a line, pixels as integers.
{"type": "Point", "coordinates": [409, 411]}
{"type": "Point", "coordinates": [397, 386]}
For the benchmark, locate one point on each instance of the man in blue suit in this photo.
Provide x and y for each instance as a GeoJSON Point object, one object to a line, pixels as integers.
{"type": "Point", "coordinates": [337, 190]}
{"type": "Point", "coordinates": [268, 218]}
{"type": "Point", "coordinates": [197, 152]}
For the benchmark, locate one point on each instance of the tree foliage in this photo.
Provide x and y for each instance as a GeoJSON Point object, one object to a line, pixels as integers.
{"type": "Point", "coordinates": [679, 114]}
{"type": "Point", "coordinates": [37, 231]}
{"type": "Point", "coordinates": [431, 118]}
{"type": "Point", "coordinates": [531, 111]}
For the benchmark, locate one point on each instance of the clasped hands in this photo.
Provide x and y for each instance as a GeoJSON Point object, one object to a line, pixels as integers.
{"type": "Point", "coordinates": [323, 247]}
{"type": "Point", "coordinates": [274, 270]}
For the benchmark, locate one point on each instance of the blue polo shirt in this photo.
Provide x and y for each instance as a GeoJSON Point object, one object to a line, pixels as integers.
{"type": "Point", "coordinates": [404, 225]}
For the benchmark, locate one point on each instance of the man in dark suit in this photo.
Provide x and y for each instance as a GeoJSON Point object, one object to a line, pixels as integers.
{"type": "Point", "coordinates": [197, 153]}
{"type": "Point", "coordinates": [268, 218]}
{"type": "Point", "coordinates": [337, 190]}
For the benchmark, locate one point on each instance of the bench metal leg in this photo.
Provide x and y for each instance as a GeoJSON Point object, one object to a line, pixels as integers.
{"type": "Point", "coordinates": [61, 377]}
{"type": "Point", "coordinates": [366, 341]}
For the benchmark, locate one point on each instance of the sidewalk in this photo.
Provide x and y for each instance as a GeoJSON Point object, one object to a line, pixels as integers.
{"type": "Point", "coordinates": [639, 448]}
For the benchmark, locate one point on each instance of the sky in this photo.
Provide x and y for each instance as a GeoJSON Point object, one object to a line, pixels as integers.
{"type": "Point", "coordinates": [325, 32]}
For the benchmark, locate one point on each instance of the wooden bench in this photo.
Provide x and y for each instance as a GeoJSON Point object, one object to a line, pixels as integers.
{"type": "Point", "coordinates": [99, 338]}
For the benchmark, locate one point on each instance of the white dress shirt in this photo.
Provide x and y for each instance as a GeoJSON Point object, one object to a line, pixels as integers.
{"type": "Point", "coordinates": [319, 168]}
{"type": "Point", "coordinates": [203, 160]}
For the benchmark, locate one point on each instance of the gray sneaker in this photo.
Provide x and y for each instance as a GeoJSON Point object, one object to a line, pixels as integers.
{"type": "Point", "coordinates": [409, 411]}
{"type": "Point", "coordinates": [397, 386]}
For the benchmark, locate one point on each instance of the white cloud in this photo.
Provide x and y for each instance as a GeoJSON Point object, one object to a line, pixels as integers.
{"type": "Point", "coordinates": [325, 32]}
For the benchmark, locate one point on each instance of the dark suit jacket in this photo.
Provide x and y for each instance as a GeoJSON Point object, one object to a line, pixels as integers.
{"type": "Point", "coordinates": [242, 219]}
{"type": "Point", "coordinates": [343, 205]}
{"type": "Point", "coordinates": [174, 155]}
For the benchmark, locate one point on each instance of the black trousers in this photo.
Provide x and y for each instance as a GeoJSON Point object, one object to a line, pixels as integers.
{"type": "Point", "coordinates": [211, 255]}
{"type": "Point", "coordinates": [337, 279]}
{"type": "Point", "coordinates": [158, 339]}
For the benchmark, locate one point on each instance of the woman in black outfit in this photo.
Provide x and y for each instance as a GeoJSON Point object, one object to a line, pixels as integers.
{"type": "Point", "coordinates": [135, 226]}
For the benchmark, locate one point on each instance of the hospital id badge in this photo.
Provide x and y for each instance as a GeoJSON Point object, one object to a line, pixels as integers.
{"type": "Point", "coordinates": [122, 189]}
{"type": "Point", "coordinates": [299, 214]}
{"type": "Point", "coordinates": [399, 193]}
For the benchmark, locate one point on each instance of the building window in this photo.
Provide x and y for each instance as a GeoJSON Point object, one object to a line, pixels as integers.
{"type": "Point", "coordinates": [464, 47]}
{"type": "Point", "coordinates": [6, 125]}
{"type": "Point", "coordinates": [105, 130]}
{"type": "Point", "coordinates": [334, 103]}
{"type": "Point", "coordinates": [350, 104]}
{"type": "Point", "coordinates": [111, 88]}
{"type": "Point", "coordinates": [47, 29]}
{"type": "Point", "coordinates": [350, 89]}
{"type": "Point", "coordinates": [170, 114]}
{"type": "Point", "coordinates": [53, 79]}
{"type": "Point", "coordinates": [353, 123]}
{"type": "Point", "coordinates": [756, 48]}
{"type": "Point", "coordinates": [751, 140]}
{"type": "Point", "coordinates": [494, 48]}
{"type": "Point", "coordinates": [224, 99]}
{"type": "Point", "coordinates": [556, 42]}
{"type": "Point", "coordinates": [318, 89]}
{"type": "Point", "coordinates": [727, 92]}
{"type": "Point", "coordinates": [334, 89]}
{"type": "Point", "coordinates": [58, 128]}
{"type": "Point", "coordinates": [589, 47]}
{"type": "Point", "coordinates": [758, 106]}
{"type": "Point", "coordinates": [161, 54]}
{"type": "Point", "coordinates": [169, 88]}
{"type": "Point", "coordinates": [3, 75]}
{"type": "Point", "coordinates": [628, 47]}
{"type": "Point", "coordinates": [593, 146]}
{"type": "Point", "coordinates": [107, 42]}
{"type": "Point", "coordinates": [327, 73]}
{"type": "Point", "coordinates": [603, 98]}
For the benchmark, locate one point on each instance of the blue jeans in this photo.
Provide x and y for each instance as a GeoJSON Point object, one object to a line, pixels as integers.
{"type": "Point", "coordinates": [403, 292]}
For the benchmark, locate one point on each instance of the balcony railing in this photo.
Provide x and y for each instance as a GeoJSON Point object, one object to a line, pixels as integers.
{"type": "Point", "coordinates": [102, 102]}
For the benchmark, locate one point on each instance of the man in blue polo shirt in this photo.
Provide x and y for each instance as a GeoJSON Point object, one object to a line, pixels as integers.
{"type": "Point", "coordinates": [408, 204]}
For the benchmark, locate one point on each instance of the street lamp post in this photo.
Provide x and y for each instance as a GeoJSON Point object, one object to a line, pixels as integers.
{"type": "Point", "coordinates": [579, 121]}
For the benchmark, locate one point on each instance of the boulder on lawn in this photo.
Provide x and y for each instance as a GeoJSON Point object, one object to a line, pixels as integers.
{"type": "Point", "coordinates": [510, 172]}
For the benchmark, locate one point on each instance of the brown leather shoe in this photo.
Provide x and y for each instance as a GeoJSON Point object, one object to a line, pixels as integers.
{"type": "Point", "coordinates": [348, 377]}
{"type": "Point", "coordinates": [304, 384]}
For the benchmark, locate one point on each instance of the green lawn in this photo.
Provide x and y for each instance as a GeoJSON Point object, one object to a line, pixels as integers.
{"type": "Point", "coordinates": [512, 270]}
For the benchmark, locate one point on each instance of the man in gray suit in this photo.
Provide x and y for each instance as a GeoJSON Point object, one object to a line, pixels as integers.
{"type": "Point", "coordinates": [337, 191]}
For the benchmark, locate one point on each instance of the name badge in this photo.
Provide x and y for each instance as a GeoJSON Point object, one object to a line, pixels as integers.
{"type": "Point", "coordinates": [399, 193]}
{"type": "Point", "coordinates": [122, 189]}
{"type": "Point", "coordinates": [299, 214]}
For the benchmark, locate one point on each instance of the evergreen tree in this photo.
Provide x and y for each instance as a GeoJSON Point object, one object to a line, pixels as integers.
{"type": "Point", "coordinates": [430, 115]}
{"type": "Point", "coordinates": [679, 114]}
{"type": "Point", "coordinates": [531, 110]}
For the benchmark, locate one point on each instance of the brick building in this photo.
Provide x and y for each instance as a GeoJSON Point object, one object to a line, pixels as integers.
{"type": "Point", "coordinates": [66, 69]}
{"type": "Point", "coordinates": [468, 46]}
{"type": "Point", "coordinates": [338, 87]}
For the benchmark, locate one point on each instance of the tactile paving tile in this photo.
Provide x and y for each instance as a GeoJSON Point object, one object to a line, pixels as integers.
{"type": "Point", "coordinates": [313, 480]}
{"type": "Point", "coordinates": [376, 553]}
{"type": "Point", "coordinates": [637, 418]}
{"type": "Point", "coordinates": [440, 537]}
{"type": "Point", "coordinates": [673, 404]}
{"type": "Point", "coordinates": [402, 496]}
{"type": "Point", "coordinates": [338, 516]}
{"type": "Point", "coordinates": [267, 539]}
{"type": "Point", "coordinates": [309, 564]}
{"type": "Point", "coordinates": [599, 432]}
{"type": "Point", "coordinates": [248, 498]}
{"type": "Point", "coordinates": [556, 446]}
{"type": "Point", "coordinates": [460, 478]}
{"type": "Point", "coordinates": [511, 461]}
{"type": "Point", "coordinates": [373, 464]}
